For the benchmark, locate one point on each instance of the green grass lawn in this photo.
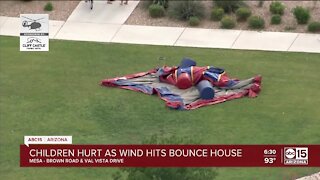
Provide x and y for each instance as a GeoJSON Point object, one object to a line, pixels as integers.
{"type": "Point", "coordinates": [58, 93]}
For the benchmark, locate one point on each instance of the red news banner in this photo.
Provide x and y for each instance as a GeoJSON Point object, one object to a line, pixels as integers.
{"type": "Point", "coordinates": [170, 155]}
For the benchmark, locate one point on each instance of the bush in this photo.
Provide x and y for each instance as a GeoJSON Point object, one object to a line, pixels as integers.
{"type": "Point", "coordinates": [276, 19]}
{"type": "Point", "coordinates": [243, 13]}
{"type": "Point", "coordinates": [183, 10]}
{"type": "Point", "coordinates": [156, 10]}
{"type": "Point", "coordinates": [194, 21]}
{"type": "Point", "coordinates": [48, 7]}
{"type": "Point", "coordinates": [314, 27]}
{"type": "Point", "coordinates": [229, 6]}
{"type": "Point", "coordinates": [256, 22]}
{"type": "Point", "coordinates": [164, 3]}
{"type": "Point", "coordinates": [277, 8]}
{"type": "Point", "coordinates": [227, 22]}
{"type": "Point", "coordinates": [147, 3]}
{"type": "Point", "coordinates": [217, 14]}
{"type": "Point", "coordinates": [301, 14]}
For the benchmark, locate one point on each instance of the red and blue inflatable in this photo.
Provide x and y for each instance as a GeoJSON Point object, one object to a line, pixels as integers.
{"type": "Point", "coordinates": [188, 86]}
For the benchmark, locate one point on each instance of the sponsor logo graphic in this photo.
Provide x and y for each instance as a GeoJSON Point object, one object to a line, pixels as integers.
{"type": "Point", "coordinates": [33, 40]}
{"type": "Point", "coordinates": [296, 156]}
{"type": "Point", "coordinates": [34, 35]}
{"type": "Point", "coordinates": [32, 23]}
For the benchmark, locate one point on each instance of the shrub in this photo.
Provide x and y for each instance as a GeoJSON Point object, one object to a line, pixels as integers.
{"type": "Point", "coordinates": [243, 13]}
{"type": "Point", "coordinates": [229, 6]}
{"type": "Point", "coordinates": [276, 19]}
{"type": "Point", "coordinates": [183, 10]}
{"type": "Point", "coordinates": [256, 22]}
{"type": "Point", "coordinates": [164, 3]}
{"type": "Point", "coordinates": [314, 27]}
{"type": "Point", "coordinates": [194, 21]}
{"type": "Point", "coordinates": [217, 14]}
{"type": "Point", "coordinates": [48, 7]}
{"type": "Point", "coordinates": [227, 22]}
{"type": "Point", "coordinates": [147, 3]}
{"type": "Point", "coordinates": [156, 10]}
{"type": "Point", "coordinates": [277, 8]}
{"type": "Point", "coordinates": [301, 14]}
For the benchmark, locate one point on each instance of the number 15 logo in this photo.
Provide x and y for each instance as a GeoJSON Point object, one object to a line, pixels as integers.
{"type": "Point", "coordinates": [302, 153]}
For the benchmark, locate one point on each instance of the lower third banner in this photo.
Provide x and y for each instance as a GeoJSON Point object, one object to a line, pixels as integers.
{"type": "Point", "coordinates": [170, 155]}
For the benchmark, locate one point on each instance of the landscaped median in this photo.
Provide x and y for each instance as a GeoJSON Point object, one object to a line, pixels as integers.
{"type": "Point", "coordinates": [278, 15]}
{"type": "Point", "coordinates": [58, 92]}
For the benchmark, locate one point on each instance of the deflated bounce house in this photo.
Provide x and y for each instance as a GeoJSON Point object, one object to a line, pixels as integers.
{"type": "Point", "coordinates": [188, 86]}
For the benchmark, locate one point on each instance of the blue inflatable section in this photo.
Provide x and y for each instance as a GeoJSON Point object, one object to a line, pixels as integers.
{"type": "Point", "coordinates": [205, 89]}
{"type": "Point", "coordinates": [184, 70]}
{"type": "Point", "coordinates": [187, 62]}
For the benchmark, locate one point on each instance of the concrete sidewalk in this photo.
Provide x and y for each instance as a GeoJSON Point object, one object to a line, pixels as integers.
{"type": "Point", "coordinates": [105, 23]}
{"type": "Point", "coordinates": [102, 13]}
{"type": "Point", "coordinates": [11, 26]}
{"type": "Point", "coordinates": [315, 176]}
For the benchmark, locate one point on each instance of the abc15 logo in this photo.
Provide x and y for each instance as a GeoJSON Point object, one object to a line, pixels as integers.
{"type": "Point", "coordinates": [298, 153]}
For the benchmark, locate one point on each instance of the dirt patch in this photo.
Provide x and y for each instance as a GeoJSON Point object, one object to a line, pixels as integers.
{"type": "Point", "coordinates": [61, 9]}
{"type": "Point", "coordinates": [140, 16]}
